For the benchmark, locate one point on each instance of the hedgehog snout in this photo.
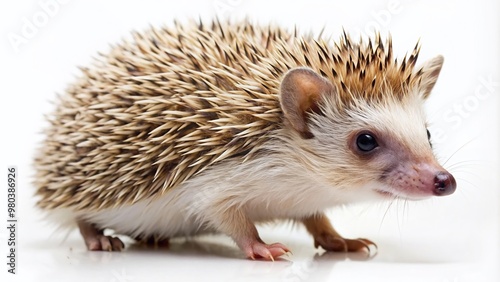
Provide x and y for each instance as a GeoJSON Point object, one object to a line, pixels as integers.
{"type": "Point", "coordinates": [420, 180]}
{"type": "Point", "coordinates": [433, 179]}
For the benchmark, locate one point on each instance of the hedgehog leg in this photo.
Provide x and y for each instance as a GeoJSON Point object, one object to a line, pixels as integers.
{"type": "Point", "coordinates": [325, 236]}
{"type": "Point", "coordinates": [96, 240]}
{"type": "Point", "coordinates": [235, 224]}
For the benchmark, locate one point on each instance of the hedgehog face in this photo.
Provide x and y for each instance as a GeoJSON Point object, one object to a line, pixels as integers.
{"type": "Point", "coordinates": [370, 147]}
{"type": "Point", "coordinates": [388, 146]}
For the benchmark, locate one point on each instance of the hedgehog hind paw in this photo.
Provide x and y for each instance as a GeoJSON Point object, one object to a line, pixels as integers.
{"type": "Point", "coordinates": [104, 243]}
{"type": "Point", "coordinates": [97, 241]}
{"type": "Point", "coordinates": [153, 241]}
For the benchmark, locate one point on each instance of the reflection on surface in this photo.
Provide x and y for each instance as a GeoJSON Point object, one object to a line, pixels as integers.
{"type": "Point", "coordinates": [217, 258]}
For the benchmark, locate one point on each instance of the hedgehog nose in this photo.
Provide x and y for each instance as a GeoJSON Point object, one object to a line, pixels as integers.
{"type": "Point", "coordinates": [444, 184]}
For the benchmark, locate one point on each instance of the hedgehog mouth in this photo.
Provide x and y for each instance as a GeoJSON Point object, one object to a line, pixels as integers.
{"type": "Point", "coordinates": [385, 193]}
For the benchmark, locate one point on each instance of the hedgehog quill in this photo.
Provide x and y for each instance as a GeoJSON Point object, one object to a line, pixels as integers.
{"type": "Point", "coordinates": [212, 128]}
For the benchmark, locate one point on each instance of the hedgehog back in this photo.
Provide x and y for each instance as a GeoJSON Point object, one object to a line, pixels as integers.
{"type": "Point", "coordinates": [168, 103]}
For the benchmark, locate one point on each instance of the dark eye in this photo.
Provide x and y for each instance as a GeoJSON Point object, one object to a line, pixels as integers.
{"type": "Point", "coordinates": [429, 137]}
{"type": "Point", "coordinates": [366, 142]}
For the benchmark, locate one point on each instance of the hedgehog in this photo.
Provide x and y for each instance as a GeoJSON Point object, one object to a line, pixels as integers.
{"type": "Point", "coordinates": [202, 128]}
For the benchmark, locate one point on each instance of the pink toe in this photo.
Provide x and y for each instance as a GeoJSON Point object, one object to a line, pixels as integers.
{"type": "Point", "coordinates": [268, 252]}
{"type": "Point", "coordinates": [106, 244]}
{"type": "Point", "coordinates": [93, 245]}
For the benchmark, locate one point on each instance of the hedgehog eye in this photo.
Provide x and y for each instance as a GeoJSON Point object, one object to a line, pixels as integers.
{"type": "Point", "coordinates": [366, 142]}
{"type": "Point", "coordinates": [429, 137]}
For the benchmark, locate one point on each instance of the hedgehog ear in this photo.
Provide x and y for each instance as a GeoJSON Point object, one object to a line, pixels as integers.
{"type": "Point", "coordinates": [430, 73]}
{"type": "Point", "coordinates": [300, 92]}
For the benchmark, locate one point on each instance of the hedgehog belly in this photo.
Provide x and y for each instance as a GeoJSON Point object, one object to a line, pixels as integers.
{"type": "Point", "coordinates": [164, 217]}
{"type": "Point", "coordinates": [190, 208]}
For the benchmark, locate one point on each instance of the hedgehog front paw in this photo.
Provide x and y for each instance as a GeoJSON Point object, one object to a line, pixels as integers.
{"type": "Point", "coordinates": [268, 252]}
{"type": "Point", "coordinates": [334, 243]}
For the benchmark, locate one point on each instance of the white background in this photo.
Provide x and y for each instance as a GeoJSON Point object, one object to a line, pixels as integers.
{"type": "Point", "coordinates": [455, 238]}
